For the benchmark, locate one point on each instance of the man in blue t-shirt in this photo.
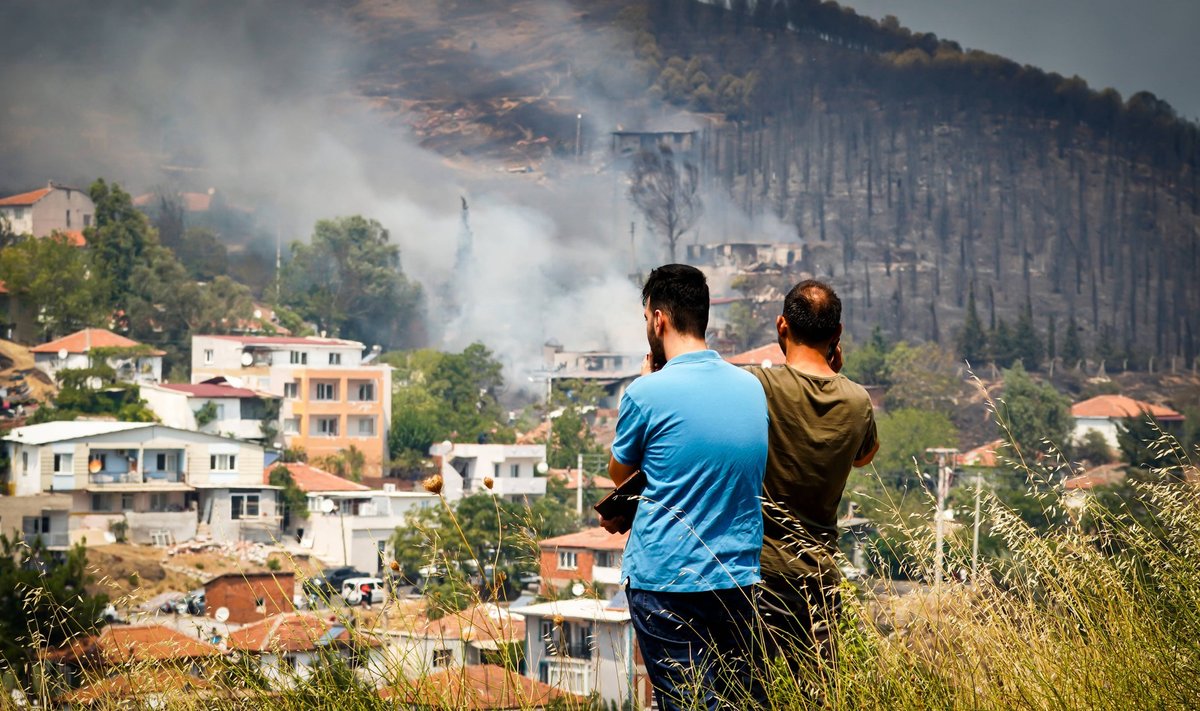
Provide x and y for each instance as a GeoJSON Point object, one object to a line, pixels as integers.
{"type": "Point", "coordinates": [697, 428]}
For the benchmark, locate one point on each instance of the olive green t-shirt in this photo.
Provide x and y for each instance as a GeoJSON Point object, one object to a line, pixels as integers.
{"type": "Point", "coordinates": [819, 427]}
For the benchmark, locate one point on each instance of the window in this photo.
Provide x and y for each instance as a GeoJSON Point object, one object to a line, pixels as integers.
{"type": "Point", "coordinates": [567, 560]}
{"type": "Point", "coordinates": [244, 506]}
{"type": "Point", "coordinates": [299, 358]}
{"type": "Point", "coordinates": [496, 470]}
{"type": "Point", "coordinates": [335, 358]}
{"type": "Point", "coordinates": [291, 390]}
{"type": "Point", "coordinates": [366, 392]}
{"type": "Point", "coordinates": [87, 220]}
{"type": "Point", "coordinates": [160, 462]}
{"type": "Point", "coordinates": [515, 470]}
{"type": "Point", "coordinates": [567, 639]}
{"type": "Point", "coordinates": [208, 356]}
{"type": "Point", "coordinates": [326, 426]}
{"type": "Point", "coordinates": [159, 501]}
{"type": "Point", "coordinates": [127, 502]}
{"type": "Point", "coordinates": [101, 502]}
{"type": "Point", "coordinates": [366, 426]}
{"type": "Point", "coordinates": [63, 462]}
{"type": "Point", "coordinates": [442, 658]}
{"type": "Point", "coordinates": [608, 559]}
{"type": "Point", "coordinates": [291, 425]}
{"type": "Point", "coordinates": [222, 462]}
{"type": "Point", "coordinates": [24, 462]}
{"type": "Point", "coordinates": [68, 218]}
{"type": "Point", "coordinates": [327, 391]}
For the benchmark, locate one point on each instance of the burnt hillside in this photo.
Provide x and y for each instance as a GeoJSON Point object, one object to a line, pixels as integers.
{"type": "Point", "coordinates": [913, 172]}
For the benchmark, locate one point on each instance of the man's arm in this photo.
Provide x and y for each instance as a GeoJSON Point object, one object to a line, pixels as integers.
{"type": "Point", "coordinates": [619, 472]}
{"type": "Point", "coordinates": [866, 458]}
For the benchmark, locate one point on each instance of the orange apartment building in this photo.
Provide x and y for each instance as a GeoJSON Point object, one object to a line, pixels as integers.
{"type": "Point", "coordinates": [334, 396]}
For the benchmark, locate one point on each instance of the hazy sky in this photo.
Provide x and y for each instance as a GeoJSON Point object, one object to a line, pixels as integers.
{"type": "Point", "coordinates": [1130, 45]}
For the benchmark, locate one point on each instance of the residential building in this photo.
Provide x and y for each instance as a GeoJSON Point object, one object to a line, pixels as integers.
{"type": "Point", "coordinates": [160, 483]}
{"type": "Point", "coordinates": [516, 471]}
{"type": "Point", "coordinates": [627, 144]}
{"type": "Point", "coordinates": [1104, 413]}
{"type": "Point", "coordinates": [766, 356]}
{"type": "Point", "coordinates": [591, 557]}
{"type": "Point", "coordinates": [249, 596]}
{"type": "Point", "coordinates": [480, 687]}
{"type": "Point", "coordinates": [356, 527]}
{"type": "Point", "coordinates": [750, 256]}
{"type": "Point", "coordinates": [44, 516]}
{"type": "Point", "coordinates": [224, 409]}
{"type": "Point", "coordinates": [54, 208]}
{"type": "Point", "coordinates": [133, 362]}
{"type": "Point", "coordinates": [613, 371]}
{"type": "Point", "coordinates": [334, 397]}
{"type": "Point", "coordinates": [586, 646]}
{"type": "Point", "coordinates": [481, 634]}
{"type": "Point", "coordinates": [122, 646]}
{"type": "Point", "coordinates": [289, 646]}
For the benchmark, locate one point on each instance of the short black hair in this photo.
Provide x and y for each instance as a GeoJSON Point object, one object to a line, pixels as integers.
{"type": "Point", "coordinates": [681, 292]}
{"type": "Point", "coordinates": [813, 312]}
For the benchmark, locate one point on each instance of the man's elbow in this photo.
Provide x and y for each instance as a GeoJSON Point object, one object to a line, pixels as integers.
{"type": "Point", "coordinates": [866, 459]}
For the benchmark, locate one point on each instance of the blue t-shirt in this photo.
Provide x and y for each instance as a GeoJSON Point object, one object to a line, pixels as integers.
{"type": "Point", "coordinates": [698, 429]}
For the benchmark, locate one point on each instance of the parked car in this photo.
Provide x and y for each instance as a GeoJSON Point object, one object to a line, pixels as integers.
{"type": "Point", "coordinates": [194, 603]}
{"type": "Point", "coordinates": [353, 590]}
{"type": "Point", "coordinates": [329, 582]}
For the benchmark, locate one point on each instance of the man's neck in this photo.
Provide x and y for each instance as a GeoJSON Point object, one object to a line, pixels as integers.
{"type": "Point", "coordinates": [807, 359]}
{"type": "Point", "coordinates": [675, 345]}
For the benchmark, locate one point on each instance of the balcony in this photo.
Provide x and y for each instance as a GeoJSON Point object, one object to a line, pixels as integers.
{"type": "Point", "coordinates": [121, 469]}
{"type": "Point", "coordinates": [605, 575]}
{"type": "Point", "coordinates": [571, 675]}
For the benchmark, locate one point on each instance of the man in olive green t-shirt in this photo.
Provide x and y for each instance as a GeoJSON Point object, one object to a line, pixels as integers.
{"type": "Point", "coordinates": [821, 425]}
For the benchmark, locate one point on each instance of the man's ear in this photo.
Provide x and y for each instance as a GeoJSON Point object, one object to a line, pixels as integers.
{"type": "Point", "coordinates": [659, 322]}
{"type": "Point", "coordinates": [781, 326]}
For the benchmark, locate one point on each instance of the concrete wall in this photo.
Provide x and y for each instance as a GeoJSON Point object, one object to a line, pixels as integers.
{"type": "Point", "coordinates": [241, 594]}
{"type": "Point", "coordinates": [143, 525]}
{"type": "Point", "coordinates": [216, 512]}
{"type": "Point", "coordinates": [14, 509]}
{"type": "Point", "coordinates": [63, 209]}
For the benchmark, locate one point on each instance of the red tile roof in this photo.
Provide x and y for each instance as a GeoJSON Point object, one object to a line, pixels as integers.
{"type": "Point", "coordinates": [75, 238]}
{"type": "Point", "coordinates": [1121, 407]}
{"type": "Point", "coordinates": [310, 479]}
{"type": "Point", "coordinates": [771, 352]}
{"type": "Point", "coordinates": [1105, 475]}
{"type": "Point", "coordinates": [287, 341]}
{"type": "Point", "coordinates": [292, 632]}
{"type": "Point", "coordinates": [484, 686]}
{"type": "Point", "coordinates": [80, 341]}
{"type": "Point", "coordinates": [479, 623]}
{"type": "Point", "coordinates": [571, 477]}
{"type": "Point", "coordinates": [210, 390]}
{"type": "Point", "coordinates": [120, 644]}
{"type": "Point", "coordinates": [170, 682]}
{"type": "Point", "coordinates": [982, 456]}
{"type": "Point", "coordinates": [23, 199]}
{"type": "Point", "coordinates": [596, 539]}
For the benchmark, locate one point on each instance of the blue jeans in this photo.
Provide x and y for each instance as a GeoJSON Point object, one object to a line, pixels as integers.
{"type": "Point", "coordinates": [699, 647]}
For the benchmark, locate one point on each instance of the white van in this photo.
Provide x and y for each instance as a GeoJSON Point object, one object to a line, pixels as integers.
{"type": "Point", "coordinates": [352, 590]}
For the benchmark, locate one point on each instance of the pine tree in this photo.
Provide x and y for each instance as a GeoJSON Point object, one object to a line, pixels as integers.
{"type": "Point", "coordinates": [972, 341]}
{"type": "Point", "coordinates": [1026, 343]}
{"type": "Point", "coordinates": [1072, 350]}
{"type": "Point", "coordinates": [1051, 338]}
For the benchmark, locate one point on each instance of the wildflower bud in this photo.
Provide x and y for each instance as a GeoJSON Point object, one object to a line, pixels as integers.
{"type": "Point", "coordinates": [395, 566]}
{"type": "Point", "coordinates": [433, 484]}
{"type": "Point", "coordinates": [558, 620]}
{"type": "Point", "coordinates": [501, 576]}
{"type": "Point", "coordinates": [488, 482]}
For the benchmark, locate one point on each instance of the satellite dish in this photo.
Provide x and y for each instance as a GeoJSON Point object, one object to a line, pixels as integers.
{"type": "Point", "coordinates": [327, 505]}
{"type": "Point", "coordinates": [62, 354]}
{"type": "Point", "coordinates": [257, 313]}
{"type": "Point", "coordinates": [577, 589]}
{"type": "Point", "coordinates": [767, 363]}
{"type": "Point", "coordinates": [94, 466]}
{"type": "Point", "coordinates": [542, 467]}
{"type": "Point", "coordinates": [247, 358]}
{"type": "Point", "coordinates": [222, 614]}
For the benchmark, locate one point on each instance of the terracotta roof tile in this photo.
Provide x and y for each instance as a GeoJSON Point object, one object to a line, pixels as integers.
{"type": "Point", "coordinates": [771, 352]}
{"type": "Point", "coordinates": [1120, 407]}
{"type": "Point", "coordinates": [166, 682]}
{"type": "Point", "coordinates": [485, 686]}
{"type": "Point", "coordinates": [292, 632]}
{"type": "Point", "coordinates": [479, 623]}
{"type": "Point", "coordinates": [287, 341]}
{"type": "Point", "coordinates": [210, 390]}
{"type": "Point", "coordinates": [119, 644]}
{"type": "Point", "coordinates": [23, 199]}
{"type": "Point", "coordinates": [596, 539]}
{"type": "Point", "coordinates": [310, 479]}
{"type": "Point", "coordinates": [1104, 475]}
{"type": "Point", "coordinates": [80, 341]}
{"type": "Point", "coordinates": [571, 477]}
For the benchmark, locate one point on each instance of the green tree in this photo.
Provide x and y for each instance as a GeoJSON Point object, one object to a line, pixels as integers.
{"type": "Point", "coordinates": [570, 433]}
{"type": "Point", "coordinates": [904, 435]}
{"type": "Point", "coordinates": [94, 391]}
{"type": "Point", "coordinates": [923, 377]}
{"type": "Point", "coordinates": [57, 279]}
{"type": "Point", "coordinates": [972, 341]}
{"type": "Point", "coordinates": [1145, 444]}
{"type": "Point", "coordinates": [468, 385]}
{"type": "Point", "coordinates": [348, 280]}
{"type": "Point", "coordinates": [44, 599]}
{"type": "Point", "coordinates": [1026, 343]}
{"type": "Point", "coordinates": [1072, 349]}
{"type": "Point", "coordinates": [1031, 412]}
{"type": "Point", "coordinates": [295, 501]}
{"type": "Point", "coordinates": [119, 238]}
{"type": "Point", "coordinates": [416, 425]}
{"type": "Point", "coordinates": [868, 364]}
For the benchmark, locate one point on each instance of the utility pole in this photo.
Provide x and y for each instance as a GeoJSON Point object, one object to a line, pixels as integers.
{"type": "Point", "coordinates": [943, 455]}
{"type": "Point", "coordinates": [975, 539]}
{"type": "Point", "coordinates": [579, 486]}
{"type": "Point", "coordinates": [578, 136]}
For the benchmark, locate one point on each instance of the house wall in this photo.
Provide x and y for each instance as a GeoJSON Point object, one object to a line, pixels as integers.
{"type": "Point", "coordinates": [608, 671]}
{"type": "Point", "coordinates": [1103, 425]}
{"type": "Point", "coordinates": [142, 526]}
{"type": "Point", "coordinates": [561, 578]}
{"type": "Point", "coordinates": [362, 533]}
{"type": "Point", "coordinates": [216, 514]}
{"type": "Point", "coordinates": [240, 594]}
{"type": "Point", "coordinates": [62, 209]}
{"type": "Point", "coordinates": [412, 654]}
{"type": "Point", "coordinates": [15, 509]}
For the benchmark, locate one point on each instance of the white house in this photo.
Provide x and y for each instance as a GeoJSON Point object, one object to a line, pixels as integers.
{"type": "Point", "coordinates": [517, 471]}
{"type": "Point", "coordinates": [228, 410]}
{"type": "Point", "coordinates": [583, 646]}
{"type": "Point", "coordinates": [162, 483]}
{"type": "Point", "coordinates": [288, 646]}
{"type": "Point", "coordinates": [133, 362]}
{"type": "Point", "coordinates": [348, 523]}
{"type": "Point", "coordinates": [481, 634]}
{"type": "Point", "coordinates": [1104, 413]}
{"type": "Point", "coordinates": [54, 208]}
